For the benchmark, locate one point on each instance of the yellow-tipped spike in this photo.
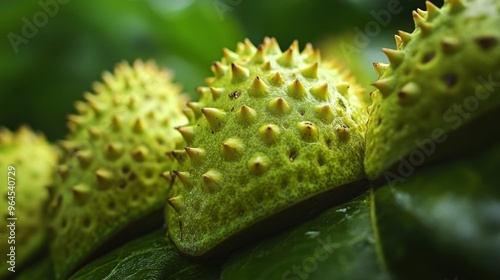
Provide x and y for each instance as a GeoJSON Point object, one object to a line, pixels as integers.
{"type": "Point", "coordinates": [216, 93]}
{"type": "Point", "coordinates": [270, 133]}
{"type": "Point", "coordinates": [249, 47]}
{"type": "Point", "coordinates": [408, 93]}
{"type": "Point", "coordinates": [320, 92]}
{"type": "Point", "coordinates": [179, 155]}
{"type": "Point", "coordinates": [422, 13]}
{"type": "Point", "coordinates": [425, 27]}
{"type": "Point", "coordinates": [177, 202]}
{"type": "Point", "coordinates": [246, 115]}
{"type": "Point", "coordinates": [80, 192]}
{"type": "Point", "coordinates": [455, 5]}
{"type": "Point", "coordinates": [343, 132]}
{"type": "Point", "coordinates": [196, 155]}
{"type": "Point", "coordinates": [276, 79]}
{"type": "Point", "coordinates": [117, 122]}
{"type": "Point", "coordinates": [308, 131]}
{"type": "Point", "coordinates": [287, 59]}
{"type": "Point", "coordinates": [450, 45]}
{"type": "Point", "coordinates": [385, 86]}
{"type": "Point", "coordinates": [380, 68]}
{"type": "Point", "coordinates": [189, 113]}
{"type": "Point", "coordinates": [432, 10]}
{"type": "Point", "coordinates": [196, 107]}
{"type": "Point", "coordinates": [229, 56]}
{"type": "Point", "coordinates": [232, 149]}
{"type": "Point", "coordinates": [187, 133]}
{"type": "Point", "coordinates": [81, 107]}
{"type": "Point", "coordinates": [240, 48]}
{"type": "Point", "coordinates": [266, 66]}
{"type": "Point", "coordinates": [94, 132]}
{"type": "Point", "coordinates": [132, 103]}
{"type": "Point", "coordinates": [297, 90]}
{"type": "Point", "coordinates": [399, 42]}
{"type": "Point", "coordinates": [68, 146]}
{"type": "Point", "coordinates": [211, 181]}
{"type": "Point", "coordinates": [104, 177]}
{"type": "Point", "coordinates": [310, 71]}
{"type": "Point", "coordinates": [405, 36]}
{"type": "Point", "coordinates": [75, 120]}
{"type": "Point", "coordinates": [395, 57]}
{"type": "Point", "coordinates": [258, 165]}
{"type": "Point", "coordinates": [167, 175]}
{"type": "Point", "coordinates": [140, 153]}
{"type": "Point", "coordinates": [279, 106]}
{"type": "Point", "coordinates": [139, 125]}
{"type": "Point", "coordinates": [325, 113]}
{"type": "Point", "coordinates": [204, 92]}
{"type": "Point", "coordinates": [238, 73]}
{"type": "Point", "coordinates": [309, 54]}
{"type": "Point", "coordinates": [215, 117]}
{"type": "Point", "coordinates": [272, 47]}
{"type": "Point", "coordinates": [343, 88]}
{"type": "Point", "coordinates": [218, 69]}
{"type": "Point", "coordinates": [185, 178]}
{"type": "Point", "coordinates": [259, 56]}
{"type": "Point", "coordinates": [113, 150]}
{"type": "Point", "coordinates": [63, 171]}
{"type": "Point", "coordinates": [84, 157]}
{"type": "Point", "coordinates": [258, 88]}
{"type": "Point", "coordinates": [93, 103]}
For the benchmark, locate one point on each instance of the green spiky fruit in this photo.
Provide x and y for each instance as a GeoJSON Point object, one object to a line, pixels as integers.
{"type": "Point", "coordinates": [114, 159]}
{"type": "Point", "coordinates": [441, 79]}
{"type": "Point", "coordinates": [273, 130]}
{"type": "Point", "coordinates": [26, 164]}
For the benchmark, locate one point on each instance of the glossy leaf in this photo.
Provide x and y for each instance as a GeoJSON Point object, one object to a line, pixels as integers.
{"type": "Point", "coordinates": [338, 244]}
{"type": "Point", "coordinates": [150, 257]}
{"type": "Point", "coordinates": [444, 222]}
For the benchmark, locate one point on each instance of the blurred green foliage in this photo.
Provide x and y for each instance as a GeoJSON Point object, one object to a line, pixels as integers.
{"type": "Point", "coordinates": [52, 50]}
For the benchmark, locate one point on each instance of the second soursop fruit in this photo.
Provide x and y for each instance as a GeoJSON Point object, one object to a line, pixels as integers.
{"type": "Point", "coordinates": [441, 79]}
{"type": "Point", "coordinates": [272, 130]}
{"type": "Point", "coordinates": [111, 173]}
{"type": "Point", "coordinates": [27, 161]}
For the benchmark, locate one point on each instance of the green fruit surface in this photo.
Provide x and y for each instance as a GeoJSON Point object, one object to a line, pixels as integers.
{"type": "Point", "coordinates": [441, 78]}
{"type": "Point", "coordinates": [114, 157]}
{"type": "Point", "coordinates": [26, 163]}
{"type": "Point", "coordinates": [272, 129]}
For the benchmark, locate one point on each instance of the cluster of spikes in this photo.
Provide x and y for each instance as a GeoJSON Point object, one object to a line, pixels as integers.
{"type": "Point", "coordinates": [423, 24]}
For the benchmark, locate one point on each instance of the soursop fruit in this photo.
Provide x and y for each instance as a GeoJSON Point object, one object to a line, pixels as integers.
{"type": "Point", "coordinates": [114, 159]}
{"type": "Point", "coordinates": [272, 131]}
{"type": "Point", "coordinates": [441, 86]}
{"type": "Point", "coordinates": [27, 162]}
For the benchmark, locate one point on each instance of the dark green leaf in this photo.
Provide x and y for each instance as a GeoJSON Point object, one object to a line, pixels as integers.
{"type": "Point", "coordinates": [149, 257]}
{"type": "Point", "coordinates": [446, 219]}
{"type": "Point", "coordinates": [338, 244]}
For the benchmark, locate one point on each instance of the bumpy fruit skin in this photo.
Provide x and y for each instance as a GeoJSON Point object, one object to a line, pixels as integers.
{"type": "Point", "coordinates": [33, 161]}
{"type": "Point", "coordinates": [441, 77]}
{"type": "Point", "coordinates": [271, 130]}
{"type": "Point", "coordinates": [114, 160]}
